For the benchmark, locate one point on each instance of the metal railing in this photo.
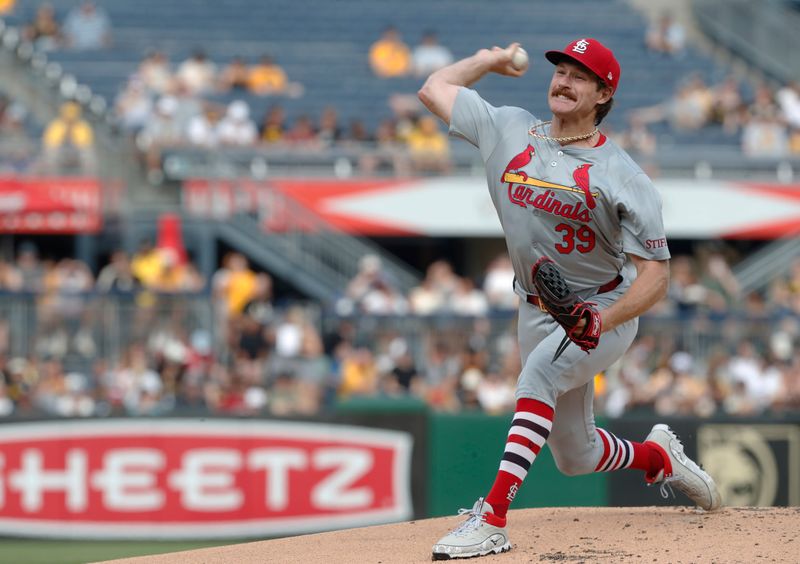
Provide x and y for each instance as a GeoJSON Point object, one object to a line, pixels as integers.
{"type": "Point", "coordinates": [765, 33]}
{"type": "Point", "coordinates": [758, 270]}
{"type": "Point", "coordinates": [701, 335]}
{"type": "Point", "coordinates": [298, 245]}
{"type": "Point", "coordinates": [261, 162]}
{"type": "Point", "coordinates": [79, 329]}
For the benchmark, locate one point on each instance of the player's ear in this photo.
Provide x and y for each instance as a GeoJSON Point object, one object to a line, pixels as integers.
{"type": "Point", "coordinates": [605, 93]}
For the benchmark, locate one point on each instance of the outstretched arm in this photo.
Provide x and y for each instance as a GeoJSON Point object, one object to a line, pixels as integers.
{"type": "Point", "coordinates": [440, 90]}
{"type": "Point", "coordinates": [650, 286]}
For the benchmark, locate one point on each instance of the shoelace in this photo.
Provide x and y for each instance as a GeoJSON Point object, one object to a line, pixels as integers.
{"type": "Point", "coordinates": [664, 487]}
{"type": "Point", "coordinates": [470, 524]}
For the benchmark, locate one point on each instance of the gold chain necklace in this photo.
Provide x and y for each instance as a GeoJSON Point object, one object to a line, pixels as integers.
{"type": "Point", "coordinates": [561, 140]}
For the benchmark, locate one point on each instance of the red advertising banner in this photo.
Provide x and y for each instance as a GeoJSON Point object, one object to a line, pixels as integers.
{"type": "Point", "coordinates": [174, 478]}
{"type": "Point", "coordinates": [461, 206]}
{"type": "Point", "coordinates": [50, 205]}
{"type": "Point", "coordinates": [293, 204]}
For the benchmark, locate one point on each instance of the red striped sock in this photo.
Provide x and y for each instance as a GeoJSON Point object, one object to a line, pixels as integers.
{"type": "Point", "coordinates": [621, 453]}
{"type": "Point", "coordinates": [529, 431]}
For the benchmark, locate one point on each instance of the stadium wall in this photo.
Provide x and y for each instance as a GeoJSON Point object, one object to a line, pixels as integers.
{"type": "Point", "coordinates": [373, 462]}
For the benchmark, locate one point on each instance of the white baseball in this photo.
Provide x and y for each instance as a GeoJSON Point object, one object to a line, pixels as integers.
{"type": "Point", "coordinates": [519, 60]}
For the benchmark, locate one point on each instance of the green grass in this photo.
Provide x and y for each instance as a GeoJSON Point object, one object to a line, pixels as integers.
{"type": "Point", "coordinates": [36, 551]}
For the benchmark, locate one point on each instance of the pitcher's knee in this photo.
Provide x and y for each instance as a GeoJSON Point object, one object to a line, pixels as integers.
{"type": "Point", "coordinates": [571, 464]}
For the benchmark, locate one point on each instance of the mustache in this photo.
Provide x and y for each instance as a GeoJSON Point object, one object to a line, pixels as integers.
{"type": "Point", "coordinates": [562, 92]}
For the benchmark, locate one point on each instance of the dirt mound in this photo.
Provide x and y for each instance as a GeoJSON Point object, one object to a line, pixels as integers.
{"type": "Point", "coordinates": [569, 534]}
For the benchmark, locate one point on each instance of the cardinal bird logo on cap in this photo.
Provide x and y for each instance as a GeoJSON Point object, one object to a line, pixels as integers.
{"type": "Point", "coordinates": [581, 178]}
{"type": "Point", "coordinates": [519, 161]}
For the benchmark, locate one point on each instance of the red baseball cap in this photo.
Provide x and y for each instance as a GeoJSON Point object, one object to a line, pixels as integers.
{"type": "Point", "coordinates": [593, 55]}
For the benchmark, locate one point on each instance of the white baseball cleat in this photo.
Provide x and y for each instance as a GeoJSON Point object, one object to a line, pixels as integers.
{"type": "Point", "coordinates": [474, 537]}
{"type": "Point", "coordinates": [681, 471]}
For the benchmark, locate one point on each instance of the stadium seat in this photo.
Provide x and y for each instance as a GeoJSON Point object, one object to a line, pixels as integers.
{"type": "Point", "coordinates": [323, 46]}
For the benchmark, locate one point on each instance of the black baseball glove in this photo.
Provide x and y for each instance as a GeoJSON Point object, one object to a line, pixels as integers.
{"type": "Point", "coordinates": [566, 307]}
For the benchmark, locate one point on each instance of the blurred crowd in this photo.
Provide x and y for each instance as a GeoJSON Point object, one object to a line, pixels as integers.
{"type": "Point", "coordinates": [85, 27]}
{"type": "Point", "coordinates": [764, 119]}
{"type": "Point", "coordinates": [149, 334]}
{"type": "Point", "coordinates": [167, 110]}
{"type": "Point", "coordinates": [766, 123]}
{"type": "Point", "coordinates": [67, 145]}
{"type": "Point", "coordinates": [195, 104]}
{"type": "Point", "coordinates": [202, 103]}
{"type": "Point", "coordinates": [171, 114]}
{"type": "Point", "coordinates": [142, 337]}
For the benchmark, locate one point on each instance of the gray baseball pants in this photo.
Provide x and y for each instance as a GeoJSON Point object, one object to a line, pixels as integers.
{"type": "Point", "coordinates": [567, 385]}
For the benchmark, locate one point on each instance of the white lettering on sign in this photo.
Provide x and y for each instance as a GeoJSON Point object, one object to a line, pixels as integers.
{"type": "Point", "coordinates": [128, 479]}
{"type": "Point", "coordinates": [115, 478]}
{"type": "Point", "coordinates": [32, 480]}
{"type": "Point", "coordinates": [277, 462]}
{"type": "Point", "coordinates": [580, 46]}
{"type": "Point", "coordinates": [206, 480]}
{"type": "Point", "coordinates": [351, 465]}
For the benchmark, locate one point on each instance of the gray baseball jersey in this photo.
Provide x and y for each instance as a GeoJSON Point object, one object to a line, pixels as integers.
{"type": "Point", "coordinates": [583, 207]}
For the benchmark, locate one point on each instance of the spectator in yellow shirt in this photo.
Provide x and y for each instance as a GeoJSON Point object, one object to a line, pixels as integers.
{"type": "Point", "coordinates": [241, 284]}
{"type": "Point", "coordinates": [146, 265]}
{"type": "Point", "coordinates": [173, 276]}
{"type": "Point", "coordinates": [69, 142]}
{"type": "Point", "coordinates": [428, 147]}
{"type": "Point", "coordinates": [389, 56]}
{"type": "Point", "coordinates": [359, 374]}
{"type": "Point", "coordinates": [267, 77]}
{"type": "Point", "coordinates": [7, 6]}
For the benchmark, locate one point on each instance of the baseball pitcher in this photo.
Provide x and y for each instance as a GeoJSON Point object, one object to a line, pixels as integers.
{"type": "Point", "coordinates": [584, 230]}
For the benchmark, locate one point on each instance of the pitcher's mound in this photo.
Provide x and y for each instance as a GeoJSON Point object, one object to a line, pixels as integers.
{"type": "Point", "coordinates": [569, 534]}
